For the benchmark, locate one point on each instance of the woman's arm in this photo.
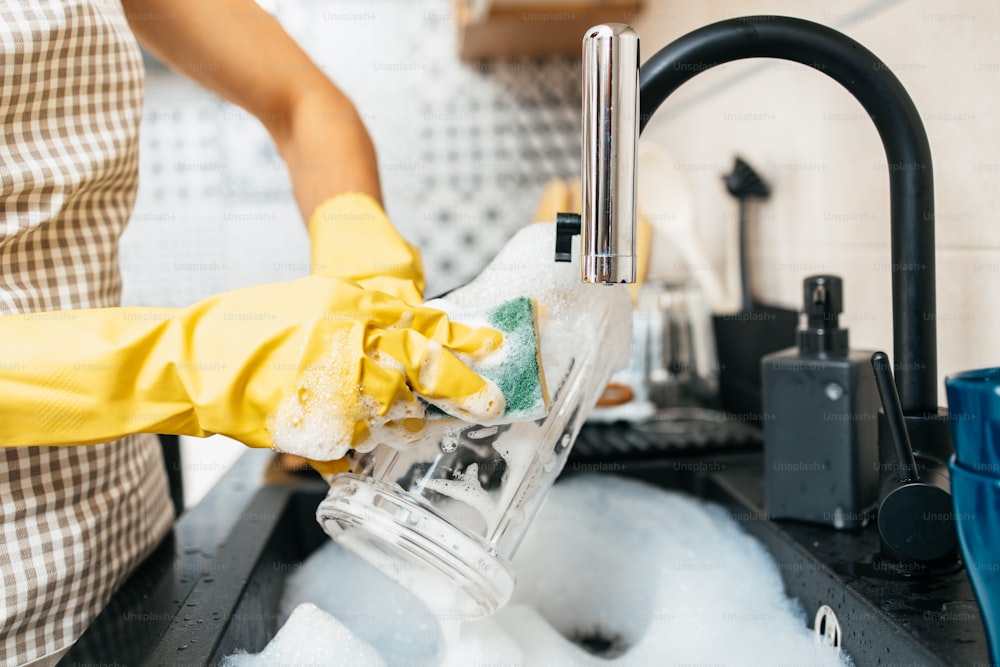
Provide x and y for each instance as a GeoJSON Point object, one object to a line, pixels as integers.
{"type": "Point", "coordinates": [237, 50]}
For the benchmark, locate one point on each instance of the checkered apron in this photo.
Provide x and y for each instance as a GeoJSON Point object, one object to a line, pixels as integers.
{"type": "Point", "coordinates": [74, 521]}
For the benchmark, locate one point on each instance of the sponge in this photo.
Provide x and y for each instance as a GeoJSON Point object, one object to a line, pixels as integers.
{"type": "Point", "coordinates": [516, 367]}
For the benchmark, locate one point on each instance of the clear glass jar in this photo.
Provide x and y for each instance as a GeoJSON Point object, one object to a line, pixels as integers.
{"type": "Point", "coordinates": [445, 516]}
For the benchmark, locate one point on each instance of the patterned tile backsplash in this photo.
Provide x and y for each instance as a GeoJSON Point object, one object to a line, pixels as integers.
{"type": "Point", "coordinates": [464, 150]}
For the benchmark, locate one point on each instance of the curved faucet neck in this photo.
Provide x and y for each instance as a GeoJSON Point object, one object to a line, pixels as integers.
{"type": "Point", "coordinates": [911, 183]}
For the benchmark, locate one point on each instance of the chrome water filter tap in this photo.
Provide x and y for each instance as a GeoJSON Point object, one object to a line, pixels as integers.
{"type": "Point", "coordinates": [610, 138]}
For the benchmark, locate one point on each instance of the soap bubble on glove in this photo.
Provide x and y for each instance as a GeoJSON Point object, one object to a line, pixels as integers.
{"type": "Point", "coordinates": [322, 419]}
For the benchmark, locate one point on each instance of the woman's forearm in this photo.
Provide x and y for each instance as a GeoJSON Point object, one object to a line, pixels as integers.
{"type": "Point", "coordinates": [234, 48]}
{"type": "Point", "coordinates": [327, 149]}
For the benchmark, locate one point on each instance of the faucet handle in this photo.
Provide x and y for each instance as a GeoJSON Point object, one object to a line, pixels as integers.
{"type": "Point", "coordinates": [894, 419]}
{"type": "Point", "coordinates": [567, 227]}
{"type": "Point", "coordinates": [916, 521]}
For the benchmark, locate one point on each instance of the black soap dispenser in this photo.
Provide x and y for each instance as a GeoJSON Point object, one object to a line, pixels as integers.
{"type": "Point", "coordinates": [821, 408]}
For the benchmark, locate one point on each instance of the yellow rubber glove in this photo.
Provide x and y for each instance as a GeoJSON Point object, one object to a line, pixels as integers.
{"type": "Point", "coordinates": [313, 366]}
{"type": "Point", "coordinates": [352, 238]}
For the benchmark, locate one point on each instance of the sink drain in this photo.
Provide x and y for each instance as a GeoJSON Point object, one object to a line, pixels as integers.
{"type": "Point", "coordinates": [601, 644]}
{"type": "Point", "coordinates": [827, 627]}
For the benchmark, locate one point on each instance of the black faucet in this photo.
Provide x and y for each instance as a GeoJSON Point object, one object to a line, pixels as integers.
{"type": "Point", "coordinates": [911, 180]}
{"type": "Point", "coordinates": [612, 121]}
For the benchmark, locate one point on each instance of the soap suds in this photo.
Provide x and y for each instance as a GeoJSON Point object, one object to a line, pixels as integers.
{"type": "Point", "coordinates": [369, 602]}
{"type": "Point", "coordinates": [612, 572]}
{"type": "Point", "coordinates": [317, 421]}
{"type": "Point", "coordinates": [310, 637]}
{"type": "Point", "coordinates": [583, 336]}
{"type": "Point", "coordinates": [465, 487]}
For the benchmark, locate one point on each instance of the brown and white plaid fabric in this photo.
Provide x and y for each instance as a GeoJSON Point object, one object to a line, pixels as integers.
{"type": "Point", "coordinates": [74, 521]}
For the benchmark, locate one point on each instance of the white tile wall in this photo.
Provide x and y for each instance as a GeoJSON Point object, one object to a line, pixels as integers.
{"type": "Point", "coordinates": [829, 208]}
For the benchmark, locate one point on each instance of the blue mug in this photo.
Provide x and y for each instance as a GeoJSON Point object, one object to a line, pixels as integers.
{"type": "Point", "coordinates": [976, 497]}
{"type": "Point", "coordinates": [974, 415]}
{"type": "Point", "coordinates": [974, 418]}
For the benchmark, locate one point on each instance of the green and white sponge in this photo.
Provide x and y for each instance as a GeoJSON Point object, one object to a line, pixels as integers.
{"type": "Point", "coordinates": [516, 367]}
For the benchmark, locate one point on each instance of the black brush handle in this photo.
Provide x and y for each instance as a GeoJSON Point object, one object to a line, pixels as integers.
{"type": "Point", "coordinates": [746, 297]}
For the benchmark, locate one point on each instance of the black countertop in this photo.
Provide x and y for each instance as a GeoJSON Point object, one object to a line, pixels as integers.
{"type": "Point", "coordinates": [886, 618]}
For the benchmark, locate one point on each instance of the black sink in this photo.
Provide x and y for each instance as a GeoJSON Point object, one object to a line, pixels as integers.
{"type": "Point", "coordinates": [236, 605]}
{"type": "Point", "coordinates": [215, 585]}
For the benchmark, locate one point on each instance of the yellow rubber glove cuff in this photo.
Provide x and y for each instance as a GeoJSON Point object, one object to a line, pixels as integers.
{"type": "Point", "coordinates": [352, 238]}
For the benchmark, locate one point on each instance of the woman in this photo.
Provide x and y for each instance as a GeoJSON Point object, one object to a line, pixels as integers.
{"type": "Point", "coordinates": [76, 521]}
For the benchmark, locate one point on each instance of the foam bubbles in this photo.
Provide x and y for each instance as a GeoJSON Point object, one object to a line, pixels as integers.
{"type": "Point", "coordinates": [311, 637]}
{"type": "Point", "coordinates": [651, 574]}
{"type": "Point", "coordinates": [466, 488]}
{"type": "Point", "coordinates": [612, 572]}
{"type": "Point", "coordinates": [317, 420]}
{"type": "Point", "coordinates": [525, 266]}
{"type": "Point", "coordinates": [376, 610]}
{"type": "Point", "coordinates": [314, 421]}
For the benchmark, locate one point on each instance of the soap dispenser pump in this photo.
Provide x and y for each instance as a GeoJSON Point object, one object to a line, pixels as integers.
{"type": "Point", "coordinates": [821, 408]}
